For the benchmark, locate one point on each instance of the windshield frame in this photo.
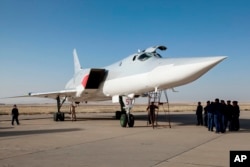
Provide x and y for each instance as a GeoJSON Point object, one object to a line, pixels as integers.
{"type": "Point", "coordinates": [147, 55]}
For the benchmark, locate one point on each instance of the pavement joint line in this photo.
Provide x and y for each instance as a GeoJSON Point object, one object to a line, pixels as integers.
{"type": "Point", "coordinates": [190, 149]}
{"type": "Point", "coordinates": [194, 164]}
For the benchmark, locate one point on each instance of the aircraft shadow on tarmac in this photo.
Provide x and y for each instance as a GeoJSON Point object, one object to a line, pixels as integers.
{"type": "Point", "coordinates": [6, 127]}
{"type": "Point", "coordinates": [177, 119]}
{"type": "Point", "coordinates": [34, 118]}
{"type": "Point", "coordinates": [244, 126]}
{"type": "Point", "coordinates": [34, 132]}
{"type": "Point", "coordinates": [165, 119]}
{"type": "Point", "coordinates": [162, 120]}
{"type": "Point", "coordinates": [105, 118]}
{"type": "Point", "coordinates": [189, 119]}
{"type": "Point", "coordinates": [180, 119]}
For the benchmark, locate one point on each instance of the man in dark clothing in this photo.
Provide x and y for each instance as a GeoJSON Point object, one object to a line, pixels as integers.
{"type": "Point", "coordinates": [206, 108]}
{"type": "Point", "coordinates": [199, 114]}
{"type": "Point", "coordinates": [15, 114]}
{"type": "Point", "coordinates": [235, 116]}
{"type": "Point", "coordinates": [217, 107]}
{"type": "Point", "coordinates": [210, 115]}
{"type": "Point", "coordinates": [223, 115]}
{"type": "Point", "coordinates": [151, 113]}
{"type": "Point", "coordinates": [228, 115]}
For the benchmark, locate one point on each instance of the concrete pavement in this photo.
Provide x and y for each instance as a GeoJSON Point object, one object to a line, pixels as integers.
{"type": "Point", "coordinates": [97, 139]}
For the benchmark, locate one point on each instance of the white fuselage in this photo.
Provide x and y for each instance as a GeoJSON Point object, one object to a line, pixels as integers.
{"type": "Point", "coordinates": [157, 73]}
{"type": "Point", "coordinates": [136, 76]}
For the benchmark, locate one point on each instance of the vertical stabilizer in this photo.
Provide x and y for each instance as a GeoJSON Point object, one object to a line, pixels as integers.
{"type": "Point", "coordinates": [77, 64]}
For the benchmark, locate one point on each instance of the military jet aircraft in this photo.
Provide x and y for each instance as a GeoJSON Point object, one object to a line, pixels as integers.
{"type": "Point", "coordinates": [129, 78]}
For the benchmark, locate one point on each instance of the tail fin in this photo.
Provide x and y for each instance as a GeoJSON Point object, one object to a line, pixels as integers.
{"type": "Point", "coordinates": [77, 64]}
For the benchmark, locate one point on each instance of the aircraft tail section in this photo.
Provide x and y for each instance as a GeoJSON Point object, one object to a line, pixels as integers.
{"type": "Point", "coordinates": [77, 64]}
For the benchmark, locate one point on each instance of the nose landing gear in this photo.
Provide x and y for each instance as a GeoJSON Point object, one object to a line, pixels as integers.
{"type": "Point", "coordinates": [126, 118]}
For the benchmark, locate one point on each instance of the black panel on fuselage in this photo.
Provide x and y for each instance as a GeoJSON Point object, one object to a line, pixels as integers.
{"type": "Point", "coordinates": [96, 76]}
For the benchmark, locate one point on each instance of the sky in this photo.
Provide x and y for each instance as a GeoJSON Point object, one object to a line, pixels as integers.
{"type": "Point", "coordinates": [37, 39]}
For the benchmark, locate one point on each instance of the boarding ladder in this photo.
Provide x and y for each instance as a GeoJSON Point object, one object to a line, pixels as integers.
{"type": "Point", "coordinates": [156, 97]}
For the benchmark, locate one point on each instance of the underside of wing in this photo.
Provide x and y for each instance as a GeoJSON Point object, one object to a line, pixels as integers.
{"type": "Point", "coordinates": [55, 94]}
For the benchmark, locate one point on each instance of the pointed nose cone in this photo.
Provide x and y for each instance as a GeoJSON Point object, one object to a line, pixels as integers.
{"type": "Point", "coordinates": [206, 64]}
{"type": "Point", "coordinates": [214, 60]}
{"type": "Point", "coordinates": [197, 67]}
{"type": "Point", "coordinates": [180, 71]}
{"type": "Point", "coordinates": [209, 62]}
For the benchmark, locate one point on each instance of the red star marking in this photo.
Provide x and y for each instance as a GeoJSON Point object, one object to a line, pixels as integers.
{"type": "Point", "coordinates": [84, 80]}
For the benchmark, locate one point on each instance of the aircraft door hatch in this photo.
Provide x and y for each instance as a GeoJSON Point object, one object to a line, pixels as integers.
{"type": "Point", "coordinates": [96, 76]}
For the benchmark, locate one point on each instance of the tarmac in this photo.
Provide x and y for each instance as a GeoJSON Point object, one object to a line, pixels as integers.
{"type": "Point", "coordinates": [97, 140]}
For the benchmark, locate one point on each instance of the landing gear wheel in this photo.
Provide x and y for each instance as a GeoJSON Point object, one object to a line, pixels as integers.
{"type": "Point", "coordinates": [59, 116]}
{"type": "Point", "coordinates": [118, 114]}
{"type": "Point", "coordinates": [131, 120]}
{"type": "Point", "coordinates": [62, 116]}
{"type": "Point", "coordinates": [123, 120]}
{"type": "Point", "coordinates": [55, 116]}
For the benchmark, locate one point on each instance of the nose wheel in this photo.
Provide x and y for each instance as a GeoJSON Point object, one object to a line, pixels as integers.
{"type": "Point", "coordinates": [127, 120]}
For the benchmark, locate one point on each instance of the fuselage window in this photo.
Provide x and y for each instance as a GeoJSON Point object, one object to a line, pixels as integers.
{"type": "Point", "coordinates": [134, 58]}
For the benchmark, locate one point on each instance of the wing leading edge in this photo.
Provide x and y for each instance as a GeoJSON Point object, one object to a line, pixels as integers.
{"type": "Point", "coordinates": [54, 94]}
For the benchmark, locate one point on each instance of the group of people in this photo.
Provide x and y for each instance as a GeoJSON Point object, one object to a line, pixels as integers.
{"type": "Point", "coordinates": [220, 115]}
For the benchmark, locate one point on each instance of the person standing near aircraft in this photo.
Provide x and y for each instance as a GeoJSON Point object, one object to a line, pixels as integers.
{"type": "Point", "coordinates": [210, 116]}
{"type": "Point", "coordinates": [199, 111]}
{"type": "Point", "coordinates": [15, 114]}
{"type": "Point", "coordinates": [235, 116]}
{"type": "Point", "coordinates": [73, 112]}
{"type": "Point", "coordinates": [217, 116]}
{"type": "Point", "coordinates": [206, 114]}
{"type": "Point", "coordinates": [223, 115]}
{"type": "Point", "coordinates": [228, 120]}
{"type": "Point", "coordinates": [151, 113]}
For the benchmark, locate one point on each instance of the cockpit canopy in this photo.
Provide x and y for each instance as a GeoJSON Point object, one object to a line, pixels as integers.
{"type": "Point", "coordinates": [154, 48]}
{"type": "Point", "coordinates": [149, 53]}
{"type": "Point", "coordinates": [146, 55]}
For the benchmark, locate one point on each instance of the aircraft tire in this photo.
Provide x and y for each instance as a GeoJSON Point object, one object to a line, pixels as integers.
{"type": "Point", "coordinates": [123, 120]}
{"type": "Point", "coordinates": [118, 114]}
{"type": "Point", "coordinates": [55, 116]}
{"type": "Point", "coordinates": [132, 121]}
{"type": "Point", "coordinates": [62, 116]}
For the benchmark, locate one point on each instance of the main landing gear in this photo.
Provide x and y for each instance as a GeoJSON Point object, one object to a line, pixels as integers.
{"type": "Point", "coordinates": [59, 116]}
{"type": "Point", "coordinates": [124, 115]}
